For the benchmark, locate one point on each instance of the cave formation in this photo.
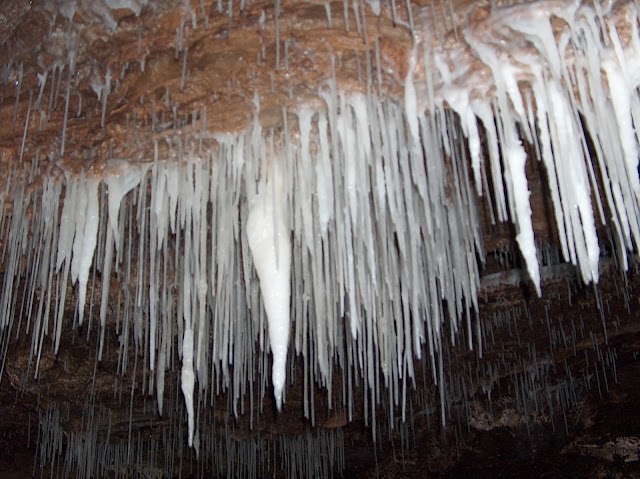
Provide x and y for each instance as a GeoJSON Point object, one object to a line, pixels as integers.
{"type": "Point", "coordinates": [319, 238]}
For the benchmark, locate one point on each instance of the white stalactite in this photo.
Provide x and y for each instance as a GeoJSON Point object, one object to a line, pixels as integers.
{"type": "Point", "coordinates": [270, 245]}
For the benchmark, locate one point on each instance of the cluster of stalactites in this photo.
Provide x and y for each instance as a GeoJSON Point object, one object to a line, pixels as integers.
{"type": "Point", "coordinates": [370, 230]}
{"type": "Point", "coordinates": [571, 94]}
{"type": "Point", "coordinates": [346, 233]}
